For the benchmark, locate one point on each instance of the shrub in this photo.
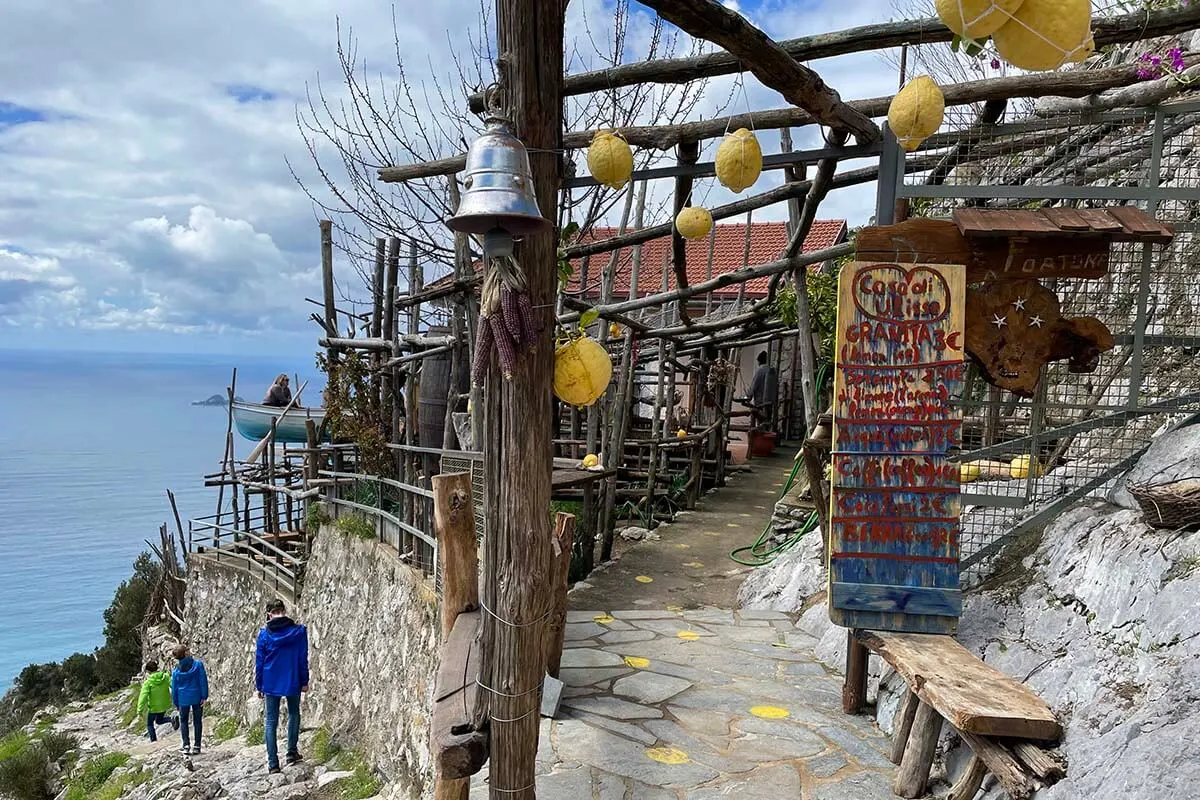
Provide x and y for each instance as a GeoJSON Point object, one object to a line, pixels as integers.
{"type": "Point", "coordinates": [361, 785]}
{"type": "Point", "coordinates": [27, 774]}
{"type": "Point", "coordinates": [323, 748]}
{"type": "Point", "coordinates": [355, 525]}
{"type": "Point", "coordinates": [13, 744]}
{"type": "Point", "coordinates": [57, 745]}
{"type": "Point", "coordinates": [94, 775]}
{"type": "Point", "coordinates": [226, 729]}
{"type": "Point", "coordinates": [256, 735]}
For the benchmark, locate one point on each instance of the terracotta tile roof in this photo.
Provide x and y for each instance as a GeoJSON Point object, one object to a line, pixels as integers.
{"type": "Point", "coordinates": [767, 241]}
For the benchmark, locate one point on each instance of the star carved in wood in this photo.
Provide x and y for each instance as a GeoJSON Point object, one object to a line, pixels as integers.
{"type": "Point", "coordinates": [999, 321]}
{"type": "Point", "coordinates": [1019, 303]}
{"type": "Point", "coordinates": [1035, 321]}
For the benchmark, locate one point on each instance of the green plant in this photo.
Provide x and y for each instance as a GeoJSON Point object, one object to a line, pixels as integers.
{"type": "Point", "coordinates": [12, 744]}
{"type": "Point", "coordinates": [361, 785]}
{"type": "Point", "coordinates": [129, 711]}
{"type": "Point", "coordinates": [323, 748]}
{"type": "Point", "coordinates": [27, 774]}
{"type": "Point", "coordinates": [257, 734]}
{"type": "Point", "coordinates": [353, 411]}
{"type": "Point", "coordinates": [314, 518]}
{"type": "Point", "coordinates": [226, 729]}
{"type": "Point", "coordinates": [356, 525]}
{"type": "Point", "coordinates": [94, 775]}
{"type": "Point", "coordinates": [57, 745]}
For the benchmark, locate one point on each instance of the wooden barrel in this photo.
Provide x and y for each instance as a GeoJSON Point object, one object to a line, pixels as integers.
{"type": "Point", "coordinates": [434, 388]}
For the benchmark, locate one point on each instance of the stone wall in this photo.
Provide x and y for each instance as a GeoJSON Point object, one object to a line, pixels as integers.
{"type": "Point", "coordinates": [374, 631]}
{"type": "Point", "coordinates": [224, 608]}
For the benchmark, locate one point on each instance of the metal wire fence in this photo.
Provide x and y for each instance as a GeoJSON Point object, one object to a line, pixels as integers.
{"type": "Point", "coordinates": [1084, 430]}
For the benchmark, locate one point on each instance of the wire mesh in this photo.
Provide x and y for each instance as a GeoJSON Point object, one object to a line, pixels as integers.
{"type": "Point", "coordinates": [1082, 430]}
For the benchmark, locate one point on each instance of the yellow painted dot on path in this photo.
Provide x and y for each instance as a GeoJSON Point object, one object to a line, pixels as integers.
{"type": "Point", "coordinates": [668, 755]}
{"type": "Point", "coordinates": [744, 515]}
{"type": "Point", "coordinates": [644, 579]}
{"type": "Point", "coordinates": [603, 619]}
{"type": "Point", "coordinates": [637, 662]}
{"type": "Point", "coordinates": [770, 712]}
{"type": "Point", "coordinates": [777, 484]}
{"type": "Point", "coordinates": [683, 545]}
{"type": "Point", "coordinates": [712, 533]}
{"type": "Point", "coordinates": [693, 565]}
{"type": "Point", "coordinates": [733, 525]}
{"type": "Point", "coordinates": [688, 636]}
{"type": "Point", "coordinates": [674, 609]}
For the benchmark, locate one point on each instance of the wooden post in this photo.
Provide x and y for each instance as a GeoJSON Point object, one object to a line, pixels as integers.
{"type": "Point", "coordinates": [913, 775]}
{"type": "Point", "coordinates": [327, 284]}
{"type": "Point", "coordinates": [414, 320]}
{"type": "Point", "coordinates": [390, 278]}
{"type": "Point", "coordinates": [854, 691]}
{"type": "Point", "coordinates": [562, 543]}
{"type": "Point", "coordinates": [903, 725]}
{"type": "Point", "coordinates": [516, 435]}
{"type": "Point", "coordinates": [686, 153]}
{"type": "Point", "coordinates": [454, 521]}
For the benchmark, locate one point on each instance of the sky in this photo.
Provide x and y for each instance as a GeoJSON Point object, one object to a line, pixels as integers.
{"type": "Point", "coordinates": [147, 194]}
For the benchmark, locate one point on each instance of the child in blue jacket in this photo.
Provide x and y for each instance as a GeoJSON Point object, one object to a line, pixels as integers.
{"type": "Point", "coordinates": [281, 674]}
{"type": "Point", "coordinates": [189, 693]}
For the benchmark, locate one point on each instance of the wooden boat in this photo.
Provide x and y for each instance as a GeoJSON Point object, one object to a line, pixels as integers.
{"type": "Point", "coordinates": [253, 421]}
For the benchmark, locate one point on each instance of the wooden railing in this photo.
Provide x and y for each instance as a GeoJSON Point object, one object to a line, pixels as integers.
{"type": "Point", "coordinates": [258, 555]}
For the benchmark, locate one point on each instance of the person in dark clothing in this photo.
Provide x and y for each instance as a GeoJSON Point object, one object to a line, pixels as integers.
{"type": "Point", "coordinates": [189, 693]}
{"type": "Point", "coordinates": [279, 394]}
{"type": "Point", "coordinates": [764, 388]}
{"type": "Point", "coordinates": [281, 672]}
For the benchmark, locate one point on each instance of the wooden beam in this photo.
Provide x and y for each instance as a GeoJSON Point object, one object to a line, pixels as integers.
{"type": "Point", "coordinates": [968, 784]}
{"type": "Point", "coordinates": [854, 690]}
{"type": "Point", "coordinates": [460, 747]}
{"type": "Point", "coordinates": [930, 30]}
{"type": "Point", "coordinates": [517, 418]}
{"type": "Point", "coordinates": [913, 776]}
{"type": "Point", "coordinates": [454, 521]}
{"type": "Point", "coordinates": [1049, 766]}
{"type": "Point", "coordinates": [563, 545]}
{"type": "Point", "coordinates": [689, 153]}
{"type": "Point", "coordinates": [1001, 763]}
{"type": "Point", "coordinates": [1072, 83]}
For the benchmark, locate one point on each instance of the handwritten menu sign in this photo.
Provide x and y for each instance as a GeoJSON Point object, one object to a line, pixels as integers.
{"type": "Point", "coordinates": [894, 519]}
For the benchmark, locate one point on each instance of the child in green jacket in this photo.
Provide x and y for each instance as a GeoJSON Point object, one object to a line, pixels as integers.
{"type": "Point", "coordinates": [155, 700]}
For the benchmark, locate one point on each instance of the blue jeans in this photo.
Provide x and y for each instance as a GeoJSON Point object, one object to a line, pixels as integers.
{"type": "Point", "coordinates": [155, 718]}
{"type": "Point", "coordinates": [196, 714]}
{"type": "Point", "coordinates": [272, 725]}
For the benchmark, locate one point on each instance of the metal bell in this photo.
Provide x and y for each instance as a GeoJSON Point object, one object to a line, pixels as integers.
{"type": "Point", "coordinates": [498, 186]}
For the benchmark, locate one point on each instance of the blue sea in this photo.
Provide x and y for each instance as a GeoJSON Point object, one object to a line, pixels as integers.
{"type": "Point", "coordinates": [89, 444]}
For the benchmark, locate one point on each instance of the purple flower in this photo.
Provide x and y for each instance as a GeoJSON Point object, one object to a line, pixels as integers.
{"type": "Point", "coordinates": [1144, 74]}
{"type": "Point", "coordinates": [995, 63]}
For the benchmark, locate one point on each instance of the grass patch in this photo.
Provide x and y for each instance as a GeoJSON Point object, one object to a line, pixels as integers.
{"type": "Point", "coordinates": [13, 744]}
{"type": "Point", "coordinates": [58, 745]}
{"type": "Point", "coordinates": [92, 782]}
{"type": "Point", "coordinates": [257, 734]}
{"type": "Point", "coordinates": [361, 785]}
{"type": "Point", "coordinates": [355, 525]}
{"type": "Point", "coordinates": [323, 749]}
{"type": "Point", "coordinates": [129, 712]}
{"type": "Point", "coordinates": [26, 773]}
{"type": "Point", "coordinates": [226, 729]}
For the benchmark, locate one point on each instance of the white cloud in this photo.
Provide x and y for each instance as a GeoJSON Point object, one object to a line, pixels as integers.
{"type": "Point", "coordinates": [151, 191]}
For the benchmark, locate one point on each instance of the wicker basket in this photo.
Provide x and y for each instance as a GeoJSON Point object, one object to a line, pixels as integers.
{"type": "Point", "coordinates": [1172, 505]}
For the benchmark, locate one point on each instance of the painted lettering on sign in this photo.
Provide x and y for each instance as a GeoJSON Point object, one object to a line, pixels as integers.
{"type": "Point", "coordinates": [895, 500]}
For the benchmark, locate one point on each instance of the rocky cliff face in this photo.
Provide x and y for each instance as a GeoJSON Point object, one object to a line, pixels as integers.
{"type": "Point", "coordinates": [1102, 619]}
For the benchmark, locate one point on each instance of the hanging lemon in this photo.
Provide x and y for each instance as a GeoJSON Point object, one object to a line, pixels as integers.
{"type": "Point", "coordinates": [694, 222]}
{"type": "Point", "coordinates": [976, 19]}
{"type": "Point", "coordinates": [1044, 34]}
{"type": "Point", "coordinates": [610, 160]}
{"type": "Point", "coordinates": [1021, 466]}
{"type": "Point", "coordinates": [614, 330]}
{"type": "Point", "coordinates": [681, 434]}
{"type": "Point", "coordinates": [739, 160]}
{"type": "Point", "coordinates": [1083, 53]}
{"type": "Point", "coordinates": [916, 112]}
{"type": "Point", "coordinates": [968, 473]}
{"type": "Point", "coordinates": [590, 460]}
{"type": "Point", "coordinates": [582, 370]}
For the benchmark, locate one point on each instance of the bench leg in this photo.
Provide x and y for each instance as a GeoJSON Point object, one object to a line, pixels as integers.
{"type": "Point", "coordinates": [854, 691]}
{"type": "Point", "coordinates": [913, 775]}
{"type": "Point", "coordinates": [967, 786]}
{"type": "Point", "coordinates": [903, 724]}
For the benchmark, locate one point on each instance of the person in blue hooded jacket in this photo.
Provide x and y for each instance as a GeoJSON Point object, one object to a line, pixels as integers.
{"type": "Point", "coordinates": [189, 693]}
{"type": "Point", "coordinates": [281, 672]}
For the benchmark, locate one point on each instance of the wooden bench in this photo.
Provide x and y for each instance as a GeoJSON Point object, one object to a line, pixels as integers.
{"type": "Point", "coordinates": [1003, 721]}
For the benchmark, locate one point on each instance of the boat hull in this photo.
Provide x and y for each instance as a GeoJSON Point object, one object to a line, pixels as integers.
{"type": "Point", "coordinates": [253, 422]}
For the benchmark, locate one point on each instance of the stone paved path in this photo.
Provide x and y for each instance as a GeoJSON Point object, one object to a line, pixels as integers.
{"type": "Point", "coordinates": [671, 700]}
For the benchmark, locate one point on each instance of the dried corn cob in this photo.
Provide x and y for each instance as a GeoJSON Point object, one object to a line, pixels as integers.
{"type": "Point", "coordinates": [530, 330]}
{"type": "Point", "coordinates": [505, 346]}
{"type": "Point", "coordinates": [512, 316]}
{"type": "Point", "coordinates": [483, 350]}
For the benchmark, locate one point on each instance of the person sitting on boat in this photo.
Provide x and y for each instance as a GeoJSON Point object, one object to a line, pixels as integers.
{"type": "Point", "coordinates": [279, 394]}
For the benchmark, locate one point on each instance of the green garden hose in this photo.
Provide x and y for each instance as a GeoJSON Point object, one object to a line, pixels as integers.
{"type": "Point", "coordinates": [762, 552]}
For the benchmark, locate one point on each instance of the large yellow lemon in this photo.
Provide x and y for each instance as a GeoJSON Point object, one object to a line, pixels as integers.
{"type": "Point", "coordinates": [738, 160]}
{"type": "Point", "coordinates": [968, 473]}
{"type": "Point", "coordinates": [590, 460]}
{"type": "Point", "coordinates": [582, 371]}
{"type": "Point", "coordinates": [916, 112]}
{"type": "Point", "coordinates": [1021, 466]}
{"type": "Point", "coordinates": [610, 160]}
{"type": "Point", "coordinates": [694, 222]}
{"type": "Point", "coordinates": [1044, 34]}
{"type": "Point", "coordinates": [975, 19]}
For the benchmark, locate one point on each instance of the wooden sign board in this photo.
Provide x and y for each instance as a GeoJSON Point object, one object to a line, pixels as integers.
{"type": "Point", "coordinates": [996, 258]}
{"type": "Point", "coordinates": [894, 518]}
